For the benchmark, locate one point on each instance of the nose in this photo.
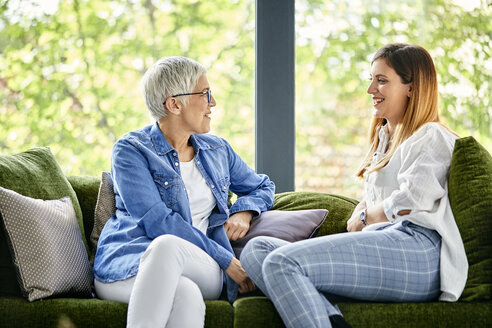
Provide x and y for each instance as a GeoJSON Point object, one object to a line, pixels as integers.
{"type": "Point", "coordinates": [212, 101]}
{"type": "Point", "coordinates": [371, 89]}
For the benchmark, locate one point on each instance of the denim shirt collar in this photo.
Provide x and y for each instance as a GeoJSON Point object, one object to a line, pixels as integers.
{"type": "Point", "coordinates": [163, 147]}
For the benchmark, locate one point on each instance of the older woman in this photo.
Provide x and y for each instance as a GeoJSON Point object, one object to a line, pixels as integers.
{"type": "Point", "coordinates": [403, 243]}
{"type": "Point", "coordinates": [167, 246]}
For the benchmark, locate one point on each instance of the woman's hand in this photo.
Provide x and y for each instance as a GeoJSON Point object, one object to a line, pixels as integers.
{"type": "Point", "coordinates": [355, 223]}
{"type": "Point", "coordinates": [236, 272]}
{"type": "Point", "coordinates": [237, 225]}
{"type": "Point", "coordinates": [374, 214]}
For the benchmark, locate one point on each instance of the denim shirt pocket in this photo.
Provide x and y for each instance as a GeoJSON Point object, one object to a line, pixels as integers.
{"type": "Point", "coordinates": [168, 187]}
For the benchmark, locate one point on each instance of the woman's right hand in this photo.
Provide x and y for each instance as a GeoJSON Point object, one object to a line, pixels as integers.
{"type": "Point", "coordinates": [236, 272]}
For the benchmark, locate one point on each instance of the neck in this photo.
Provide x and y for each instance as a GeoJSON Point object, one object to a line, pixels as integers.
{"type": "Point", "coordinates": [391, 128]}
{"type": "Point", "coordinates": [178, 139]}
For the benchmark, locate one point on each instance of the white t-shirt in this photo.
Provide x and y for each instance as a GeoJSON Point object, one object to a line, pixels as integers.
{"type": "Point", "coordinates": [202, 201]}
{"type": "Point", "coordinates": [416, 178]}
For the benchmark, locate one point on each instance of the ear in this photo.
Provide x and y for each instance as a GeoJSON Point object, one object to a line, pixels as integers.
{"type": "Point", "coordinates": [410, 88]}
{"type": "Point", "coordinates": [173, 106]}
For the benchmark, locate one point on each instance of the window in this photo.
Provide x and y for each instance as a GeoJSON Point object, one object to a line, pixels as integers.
{"type": "Point", "coordinates": [70, 71]}
{"type": "Point", "coordinates": [335, 41]}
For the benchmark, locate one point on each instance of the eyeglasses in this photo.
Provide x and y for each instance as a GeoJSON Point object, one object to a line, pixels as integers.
{"type": "Point", "coordinates": [208, 93]}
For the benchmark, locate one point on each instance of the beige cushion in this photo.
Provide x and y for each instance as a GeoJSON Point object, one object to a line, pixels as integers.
{"type": "Point", "coordinates": [46, 246]}
{"type": "Point", "coordinates": [105, 208]}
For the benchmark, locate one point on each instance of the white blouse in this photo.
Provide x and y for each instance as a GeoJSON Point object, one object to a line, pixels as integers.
{"type": "Point", "coordinates": [416, 178]}
{"type": "Point", "coordinates": [202, 201]}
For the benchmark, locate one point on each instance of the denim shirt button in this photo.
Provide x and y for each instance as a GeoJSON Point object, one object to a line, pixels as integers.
{"type": "Point", "coordinates": [176, 163]}
{"type": "Point", "coordinates": [212, 186]}
{"type": "Point", "coordinates": [175, 154]}
{"type": "Point", "coordinates": [166, 183]}
{"type": "Point", "coordinates": [198, 162]}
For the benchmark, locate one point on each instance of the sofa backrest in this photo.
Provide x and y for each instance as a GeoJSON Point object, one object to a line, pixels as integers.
{"type": "Point", "coordinates": [470, 196]}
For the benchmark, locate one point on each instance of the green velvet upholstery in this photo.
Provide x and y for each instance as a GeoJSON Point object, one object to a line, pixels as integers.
{"type": "Point", "coordinates": [87, 313]}
{"type": "Point", "coordinates": [252, 312]}
{"type": "Point", "coordinates": [470, 196]}
{"type": "Point", "coordinates": [36, 174]}
{"type": "Point", "coordinates": [62, 312]}
{"type": "Point", "coordinates": [219, 314]}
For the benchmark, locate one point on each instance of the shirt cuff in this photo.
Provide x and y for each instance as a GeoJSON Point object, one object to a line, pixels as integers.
{"type": "Point", "coordinates": [390, 211]}
{"type": "Point", "coordinates": [223, 257]}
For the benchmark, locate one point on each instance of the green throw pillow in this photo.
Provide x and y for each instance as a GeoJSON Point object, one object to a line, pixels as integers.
{"type": "Point", "coordinates": [339, 208]}
{"type": "Point", "coordinates": [36, 174]}
{"type": "Point", "coordinates": [470, 196]}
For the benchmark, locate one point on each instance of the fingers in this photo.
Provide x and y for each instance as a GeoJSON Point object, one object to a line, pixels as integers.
{"type": "Point", "coordinates": [251, 285]}
{"type": "Point", "coordinates": [235, 230]}
{"type": "Point", "coordinates": [247, 286]}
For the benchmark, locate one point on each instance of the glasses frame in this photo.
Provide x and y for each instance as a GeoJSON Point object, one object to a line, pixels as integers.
{"type": "Point", "coordinates": [208, 93]}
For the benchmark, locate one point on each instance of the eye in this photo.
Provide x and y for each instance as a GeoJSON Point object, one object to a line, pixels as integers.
{"type": "Point", "coordinates": [382, 81]}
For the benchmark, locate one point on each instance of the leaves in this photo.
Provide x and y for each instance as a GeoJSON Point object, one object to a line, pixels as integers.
{"type": "Point", "coordinates": [70, 74]}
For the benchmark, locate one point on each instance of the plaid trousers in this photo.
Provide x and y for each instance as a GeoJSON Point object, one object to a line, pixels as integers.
{"type": "Point", "coordinates": [398, 263]}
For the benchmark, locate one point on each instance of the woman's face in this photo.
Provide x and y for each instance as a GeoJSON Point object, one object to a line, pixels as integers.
{"type": "Point", "coordinates": [389, 95]}
{"type": "Point", "coordinates": [196, 114]}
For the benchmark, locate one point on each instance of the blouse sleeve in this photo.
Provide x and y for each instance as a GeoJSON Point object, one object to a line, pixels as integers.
{"type": "Point", "coordinates": [422, 177]}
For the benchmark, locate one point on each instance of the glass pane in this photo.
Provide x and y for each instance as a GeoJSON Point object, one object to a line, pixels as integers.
{"type": "Point", "coordinates": [335, 41]}
{"type": "Point", "coordinates": [71, 70]}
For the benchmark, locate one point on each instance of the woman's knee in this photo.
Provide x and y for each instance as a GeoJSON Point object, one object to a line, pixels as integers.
{"type": "Point", "coordinates": [279, 262]}
{"type": "Point", "coordinates": [164, 244]}
{"type": "Point", "coordinates": [255, 252]}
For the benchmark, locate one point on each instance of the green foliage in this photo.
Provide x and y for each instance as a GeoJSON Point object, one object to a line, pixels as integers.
{"type": "Point", "coordinates": [70, 74]}
{"type": "Point", "coordinates": [70, 78]}
{"type": "Point", "coordinates": [335, 43]}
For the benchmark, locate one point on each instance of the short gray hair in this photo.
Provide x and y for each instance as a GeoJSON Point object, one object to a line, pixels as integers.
{"type": "Point", "coordinates": [166, 77]}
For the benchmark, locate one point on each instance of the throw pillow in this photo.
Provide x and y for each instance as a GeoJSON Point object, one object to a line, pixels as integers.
{"type": "Point", "coordinates": [105, 208]}
{"type": "Point", "coordinates": [470, 196]}
{"type": "Point", "coordinates": [287, 225]}
{"type": "Point", "coordinates": [46, 245]}
{"type": "Point", "coordinates": [339, 207]}
{"type": "Point", "coordinates": [33, 173]}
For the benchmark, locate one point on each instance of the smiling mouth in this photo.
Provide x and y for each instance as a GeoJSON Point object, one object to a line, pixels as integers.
{"type": "Point", "coordinates": [377, 101]}
{"type": "Point", "coordinates": [207, 115]}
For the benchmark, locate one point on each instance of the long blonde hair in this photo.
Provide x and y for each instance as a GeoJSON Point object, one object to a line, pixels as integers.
{"type": "Point", "coordinates": [414, 65]}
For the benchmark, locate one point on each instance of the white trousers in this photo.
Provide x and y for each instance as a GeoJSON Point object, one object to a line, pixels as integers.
{"type": "Point", "coordinates": [173, 279]}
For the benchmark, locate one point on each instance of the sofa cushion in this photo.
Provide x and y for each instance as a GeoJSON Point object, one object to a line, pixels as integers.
{"type": "Point", "coordinates": [470, 196]}
{"type": "Point", "coordinates": [33, 173]}
{"type": "Point", "coordinates": [46, 246]}
{"type": "Point", "coordinates": [86, 188]}
{"type": "Point", "coordinates": [105, 208]}
{"type": "Point", "coordinates": [286, 225]}
{"type": "Point", "coordinates": [339, 208]}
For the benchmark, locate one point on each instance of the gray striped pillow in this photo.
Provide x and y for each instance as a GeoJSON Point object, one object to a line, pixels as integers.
{"type": "Point", "coordinates": [46, 246]}
{"type": "Point", "coordinates": [105, 208]}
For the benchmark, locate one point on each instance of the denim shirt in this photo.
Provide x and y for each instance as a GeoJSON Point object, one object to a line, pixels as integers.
{"type": "Point", "coordinates": [151, 200]}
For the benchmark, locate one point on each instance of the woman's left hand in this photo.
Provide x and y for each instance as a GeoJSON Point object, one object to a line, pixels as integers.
{"type": "Point", "coordinates": [238, 225]}
{"type": "Point", "coordinates": [354, 223]}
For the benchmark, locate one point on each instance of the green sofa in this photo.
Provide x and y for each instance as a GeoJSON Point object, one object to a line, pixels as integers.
{"type": "Point", "coordinates": [470, 175]}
